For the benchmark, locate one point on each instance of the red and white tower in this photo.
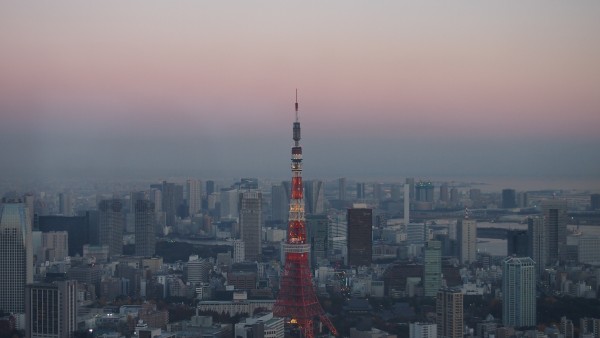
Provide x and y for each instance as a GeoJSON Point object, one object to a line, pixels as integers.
{"type": "Point", "coordinates": [297, 300]}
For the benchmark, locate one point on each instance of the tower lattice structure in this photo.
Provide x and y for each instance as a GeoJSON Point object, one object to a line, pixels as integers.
{"type": "Point", "coordinates": [297, 300]}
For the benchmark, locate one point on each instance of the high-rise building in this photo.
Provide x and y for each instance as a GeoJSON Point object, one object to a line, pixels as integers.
{"type": "Point", "coordinates": [424, 191]}
{"type": "Point", "coordinates": [466, 235]}
{"type": "Point", "coordinates": [518, 292]}
{"type": "Point", "coordinates": [172, 196]}
{"type": "Point", "coordinates": [566, 328]}
{"type": "Point", "coordinates": [145, 235]}
{"type": "Point", "coordinates": [16, 255]}
{"type": "Point", "coordinates": [211, 187]}
{"type": "Point", "coordinates": [65, 204]}
{"type": "Point", "coordinates": [314, 197]}
{"type": "Point", "coordinates": [555, 216]}
{"type": "Point", "coordinates": [251, 223]}
{"type": "Point", "coordinates": [360, 191]}
{"type": "Point", "coordinates": [444, 197]}
{"type": "Point", "coordinates": [342, 189]}
{"type": "Point", "coordinates": [280, 203]}
{"type": "Point", "coordinates": [51, 309]}
{"type": "Point", "coordinates": [509, 198]}
{"type": "Point", "coordinates": [411, 185]}
{"type": "Point", "coordinates": [55, 246]}
{"type": "Point", "coordinates": [378, 192]}
{"type": "Point", "coordinates": [229, 199]}
{"type": "Point", "coordinates": [360, 235]}
{"type": "Point", "coordinates": [449, 313]}
{"type": "Point", "coordinates": [595, 201]}
{"type": "Point", "coordinates": [239, 251]}
{"type": "Point", "coordinates": [454, 197]}
{"type": "Point", "coordinates": [396, 192]}
{"type": "Point", "coordinates": [317, 231]}
{"type": "Point", "coordinates": [517, 243]}
{"type": "Point", "coordinates": [537, 242]}
{"type": "Point", "coordinates": [432, 277]}
{"type": "Point", "coordinates": [81, 229]}
{"type": "Point", "coordinates": [197, 270]}
{"type": "Point", "coordinates": [111, 225]}
{"type": "Point", "coordinates": [194, 196]}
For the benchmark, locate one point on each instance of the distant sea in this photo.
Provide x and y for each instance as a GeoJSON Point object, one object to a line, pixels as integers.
{"type": "Point", "coordinates": [496, 184]}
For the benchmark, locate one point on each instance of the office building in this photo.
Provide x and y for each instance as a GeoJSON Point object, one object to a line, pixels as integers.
{"type": "Point", "coordinates": [54, 246]}
{"type": "Point", "coordinates": [449, 313]}
{"type": "Point", "coordinates": [65, 204]}
{"type": "Point", "coordinates": [111, 223]}
{"type": "Point", "coordinates": [432, 276]}
{"type": "Point", "coordinates": [280, 203]}
{"type": "Point", "coordinates": [317, 231]}
{"type": "Point", "coordinates": [172, 197]}
{"type": "Point", "coordinates": [314, 197]}
{"type": "Point", "coordinates": [555, 216]}
{"type": "Point", "coordinates": [251, 223]}
{"type": "Point", "coordinates": [81, 229]}
{"type": "Point", "coordinates": [360, 236]}
{"type": "Point", "coordinates": [396, 192]}
{"type": "Point", "coordinates": [518, 292]}
{"type": "Point", "coordinates": [537, 242]}
{"type": "Point", "coordinates": [444, 192]}
{"type": "Point", "coordinates": [51, 309]}
{"type": "Point", "coordinates": [145, 235]}
{"type": "Point", "coordinates": [197, 270]}
{"type": "Point", "coordinates": [517, 243]}
{"type": "Point", "coordinates": [16, 255]}
{"type": "Point", "coordinates": [229, 199]}
{"type": "Point", "coordinates": [263, 325]}
{"type": "Point", "coordinates": [342, 189]}
{"type": "Point", "coordinates": [595, 201]}
{"type": "Point", "coordinates": [194, 196]}
{"type": "Point", "coordinates": [509, 198]}
{"type": "Point", "coordinates": [378, 192]}
{"type": "Point", "coordinates": [360, 191]}
{"type": "Point", "coordinates": [566, 328]}
{"type": "Point", "coordinates": [424, 192]}
{"type": "Point", "coordinates": [466, 235]}
{"type": "Point", "coordinates": [239, 251]}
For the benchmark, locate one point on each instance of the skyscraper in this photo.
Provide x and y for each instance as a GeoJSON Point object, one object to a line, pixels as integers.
{"type": "Point", "coordinates": [317, 231]}
{"type": "Point", "coordinates": [342, 189]}
{"type": "Point", "coordinates": [509, 198]}
{"type": "Point", "coordinates": [65, 204]}
{"type": "Point", "coordinates": [111, 225]}
{"type": "Point", "coordinates": [537, 242]}
{"type": "Point", "coordinates": [172, 195]}
{"type": "Point", "coordinates": [518, 292]}
{"type": "Point", "coordinates": [555, 222]}
{"type": "Point", "coordinates": [377, 192]}
{"type": "Point", "coordinates": [360, 235]}
{"type": "Point", "coordinates": [444, 192]}
{"type": "Point", "coordinates": [466, 235]}
{"type": "Point", "coordinates": [424, 192]}
{"type": "Point", "coordinates": [16, 255]}
{"type": "Point", "coordinates": [251, 223]}
{"type": "Point", "coordinates": [360, 190]}
{"type": "Point", "coordinates": [280, 203]}
{"type": "Point", "coordinates": [194, 196]}
{"type": "Point", "coordinates": [449, 313]}
{"type": "Point", "coordinates": [432, 277]}
{"type": "Point", "coordinates": [145, 236]}
{"type": "Point", "coordinates": [51, 309]}
{"type": "Point", "coordinates": [314, 197]}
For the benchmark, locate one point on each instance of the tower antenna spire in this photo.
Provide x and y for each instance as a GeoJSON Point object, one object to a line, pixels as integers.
{"type": "Point", "coordinates": [296, 104]}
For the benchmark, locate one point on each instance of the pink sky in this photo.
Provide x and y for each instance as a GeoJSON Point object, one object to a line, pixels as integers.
{"type": "Point", "coordinates": [458, 69]}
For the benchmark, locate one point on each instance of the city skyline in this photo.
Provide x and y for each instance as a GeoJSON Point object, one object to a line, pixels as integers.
{"type": "Point", "coordinates": [198, 89]}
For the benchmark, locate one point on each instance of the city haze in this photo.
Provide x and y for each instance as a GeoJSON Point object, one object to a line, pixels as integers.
{"type": "Point", "coordinates": [386, 89]}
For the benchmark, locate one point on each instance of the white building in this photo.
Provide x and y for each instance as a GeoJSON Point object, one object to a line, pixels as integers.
{"type": "Point", "coordinates": [266, 325]}
{"type": "Point", "coordinates": [423, 330]}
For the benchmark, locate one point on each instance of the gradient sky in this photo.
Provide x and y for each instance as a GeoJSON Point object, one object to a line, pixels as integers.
{"type": "Point", "coordinates": [387, 88]}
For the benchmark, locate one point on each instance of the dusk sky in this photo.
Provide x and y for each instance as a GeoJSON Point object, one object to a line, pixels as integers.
{"type": "Point", "coordinates": [386, 88]}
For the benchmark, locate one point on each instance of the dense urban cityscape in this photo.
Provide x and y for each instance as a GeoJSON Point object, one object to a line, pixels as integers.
{"type": "Point", "coordinates": [282, 169]}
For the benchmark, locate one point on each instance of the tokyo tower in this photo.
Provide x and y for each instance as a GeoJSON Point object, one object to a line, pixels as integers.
{"type": "Point", "coordinates": [297, 300]}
